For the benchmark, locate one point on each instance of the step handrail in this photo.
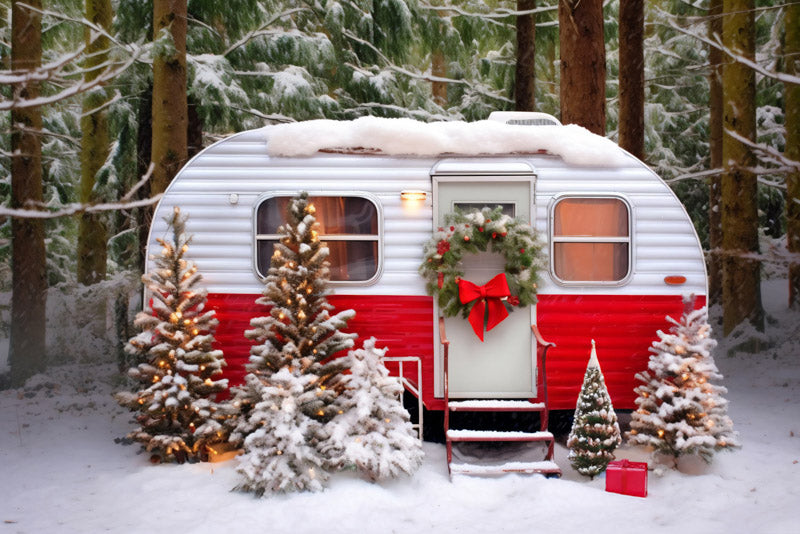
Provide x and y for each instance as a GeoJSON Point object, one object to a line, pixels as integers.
{"type": "Point", "coordinates": [545, 415]}
{"type": "Point", "coordinates": [445, 363]}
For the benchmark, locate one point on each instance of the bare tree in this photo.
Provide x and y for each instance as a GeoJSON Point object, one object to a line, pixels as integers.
{"type": "Point", "coordinates": [583, 64]}
{"type": "Point", "coordinates": [29, 274]}
{"type": "Point", "coordinates": [631, 76]}
{"type": "Point", "coordinates": [741, 284]}
{"type": "Point", "coordinates": [525, 75]}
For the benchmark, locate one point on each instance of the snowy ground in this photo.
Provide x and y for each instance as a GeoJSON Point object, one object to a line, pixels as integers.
{"type": "Point", "coordinates": [62, 472]}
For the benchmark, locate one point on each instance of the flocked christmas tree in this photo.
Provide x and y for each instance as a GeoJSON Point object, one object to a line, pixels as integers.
{"type": "Point", "coordinates": [297, 339]}
{"type": "Point", "coordinates": [280, 453]}
{"type": "Point", "coordinates": [595, 430]}
{"type": "Point", "coordinates": [374, 433]}
{"type": "Point", "coordinates": [176, 365]}
{"type": "Point", "coordinates": [680, 411]}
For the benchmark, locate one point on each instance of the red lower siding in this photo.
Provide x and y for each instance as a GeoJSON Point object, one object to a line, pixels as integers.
{"type": "Point", "coordinates": [402, 323]}
{"type": "Point", "coordinates": [623, 328]}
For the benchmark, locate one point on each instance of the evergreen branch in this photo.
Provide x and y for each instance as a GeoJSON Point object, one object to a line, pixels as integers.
{"type": "Point", "coordinates": [77, 208]}
{"type": "Point", "coordinates": [262, 30]}
{"type": "Point", "coordinates": [39, 74]}
{"type": "Point", "coordinates": [766, 152]}
{"type": "Point", "coordinates": [145, 177]}
{"type": "Point", "coordinates": [499, 13]}
{"type": "Point", "coordinates": [416, 75]}
{"type": "Point", "coordinates": [97, 31]}
{"type": "Point", "coordinates": [72, 90]}
{"type": "Point", "coordinates": [716, 42]}
{"type": "Point", "coordinates": [255, 113]}
{"type": "Point", "coordinates": [414, 113]}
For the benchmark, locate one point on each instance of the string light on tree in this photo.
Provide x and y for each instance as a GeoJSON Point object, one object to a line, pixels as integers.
{"type": "Point", "coordinates": [681, 410]}
{"type": "Point", "coordinates": [176, 366]}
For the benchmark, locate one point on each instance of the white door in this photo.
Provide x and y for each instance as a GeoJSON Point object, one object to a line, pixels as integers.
{"type": "Point", "coordinates": [503, 365]}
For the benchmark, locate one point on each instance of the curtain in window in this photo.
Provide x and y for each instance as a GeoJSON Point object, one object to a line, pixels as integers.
{"type": "Point", "coordinates": [593, 261]}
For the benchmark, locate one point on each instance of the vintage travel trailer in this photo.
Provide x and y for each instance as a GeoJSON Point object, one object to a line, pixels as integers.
{"type": "Point", "coordinates": [620, 251]}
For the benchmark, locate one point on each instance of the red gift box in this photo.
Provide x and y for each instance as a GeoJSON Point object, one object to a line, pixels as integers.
{"type": "Point", "coordinates": [627, 478]}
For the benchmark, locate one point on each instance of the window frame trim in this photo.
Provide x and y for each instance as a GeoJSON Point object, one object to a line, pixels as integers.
{"type": "Point", "coordinates": [379, 237]}
{"type": "Point", "coordinates": [590, 239]}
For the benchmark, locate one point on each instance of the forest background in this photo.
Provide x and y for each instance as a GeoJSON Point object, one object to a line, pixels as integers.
{"type": "Point", "coordinates": [102, 101]}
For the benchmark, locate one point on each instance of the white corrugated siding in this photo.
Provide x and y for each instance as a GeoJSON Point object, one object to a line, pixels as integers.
{"type": "Point", "coordinates": [664, 241]}
{"type": "Point", "coordinates": [222, 244]}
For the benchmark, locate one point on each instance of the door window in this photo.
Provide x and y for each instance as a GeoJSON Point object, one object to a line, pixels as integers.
{"type": "Point", "coordinates": [591, 239]}
{"type": "Point", "coordinates": [509, 208]}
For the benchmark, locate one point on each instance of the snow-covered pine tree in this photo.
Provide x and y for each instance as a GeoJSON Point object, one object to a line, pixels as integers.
{"type": "Point", "coordinates": [374, 433]}
{"type": "Point", "coordinates": [280, 454]}
{"type": "Point", "coordinates": [174, 406]}
{"type": "Point", "coordinates": [680, 411]}
{"type": "Point", "coordinates": [595, 430]}
{"type": "Point", "coordinates": [298, 337]}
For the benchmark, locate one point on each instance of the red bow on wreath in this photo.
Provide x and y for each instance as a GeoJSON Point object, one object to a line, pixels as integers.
{"type": "Point", "coordinates": [488, 303]}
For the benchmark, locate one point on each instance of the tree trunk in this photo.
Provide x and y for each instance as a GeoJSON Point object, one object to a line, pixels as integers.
{"type": "Point", "coordinates": [439, 69]}
{"type": "Point", "coordinates": [92, 233]}
{"type": "Point", "coordinates": [525, 76]}
{"type": "Point", "coordinates": [741, 293]}
{"type": "Point", "coordinates": [792, 109]}
{"type": "Point", "coordinates": [583, 64]}
{"type": "Point", "coordinates": [29, 264]}
{"type": "Point", "coordinates": [715, 58]}
{"type": "Point", "coordinates": [169, 149]}
{"type": "Point", "coordinates": [631, 76]}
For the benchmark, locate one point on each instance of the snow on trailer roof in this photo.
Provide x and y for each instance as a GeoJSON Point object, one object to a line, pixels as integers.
{"type": "Point", "coordinates": [407, 137]}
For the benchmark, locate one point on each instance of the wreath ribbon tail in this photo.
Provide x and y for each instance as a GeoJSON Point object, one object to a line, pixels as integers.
{"type": "Point", "coordinates": [497, 312]}
{"type": "Point", "coordinates": [476, 318]}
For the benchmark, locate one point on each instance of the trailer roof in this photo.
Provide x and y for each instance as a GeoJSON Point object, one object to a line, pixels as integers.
{"type": "Point", "coordinates": [407, 137]}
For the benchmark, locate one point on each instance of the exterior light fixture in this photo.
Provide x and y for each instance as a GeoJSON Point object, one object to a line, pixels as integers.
{"type": "Point", "coordinates": [413, 195]}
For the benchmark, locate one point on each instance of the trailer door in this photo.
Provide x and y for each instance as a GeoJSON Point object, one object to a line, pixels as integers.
{"type": "Point", "coordinates": [503, 365]}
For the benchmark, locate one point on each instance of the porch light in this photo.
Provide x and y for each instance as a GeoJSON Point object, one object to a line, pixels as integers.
{"type": "Point", "coordinates": [415, 195]}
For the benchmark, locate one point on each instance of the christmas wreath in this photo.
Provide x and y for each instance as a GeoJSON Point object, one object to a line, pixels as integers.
{"type": "Point", "coordinates": [479, 231]}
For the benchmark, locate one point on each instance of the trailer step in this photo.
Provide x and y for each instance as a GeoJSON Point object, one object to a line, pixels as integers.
{"type": "Point", "coordinates": [545, 467]}
{"type": "Point", "coordinates": [495, 435]}
{"type": "Point", "coordinates": [496, 406]}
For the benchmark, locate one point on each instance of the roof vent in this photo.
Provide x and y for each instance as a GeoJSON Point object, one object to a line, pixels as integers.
{"type": "Point", "coordinates": [524, 118]}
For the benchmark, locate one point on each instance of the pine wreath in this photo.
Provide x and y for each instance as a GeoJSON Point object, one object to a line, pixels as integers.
{"type": "Point", "coordinates": [480, 231]}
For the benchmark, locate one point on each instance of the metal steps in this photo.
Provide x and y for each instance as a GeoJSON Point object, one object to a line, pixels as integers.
{"type": "Point", "coordinates": [545, 467]}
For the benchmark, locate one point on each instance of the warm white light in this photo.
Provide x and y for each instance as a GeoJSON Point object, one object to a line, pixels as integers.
{"type": "Point", "coordinates": [413, 195]}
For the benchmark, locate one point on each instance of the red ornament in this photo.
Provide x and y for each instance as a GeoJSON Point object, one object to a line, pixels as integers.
{"type": "Point", "coordinates": [494, 235]}
{"type": "Point", "coordinates": [452, 228]}
{"type": "Point", "coordinates": [442, 247]}
{"type": "Point", "coordinates": [504, 234]}
{"type": "Point", "coordinates": [441, 228]}
{"type": "Point", "coordinates": [513, 300]}
{"type": "Point", "coordinates": [480, 228]}
{"type": "Point", "coordinates": [466, 238]}
{"type": "Point", "coordinates": [522, 251]}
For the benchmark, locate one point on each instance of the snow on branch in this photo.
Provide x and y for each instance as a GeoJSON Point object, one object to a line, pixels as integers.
{"type": "Point", "coordinates": [767, 153]}
{"type": "Point", "coordinates": [263, 29]}
{"type": "Point", "coordinates": [73, 90]}
{"type": "Point", "coordinates": [73, 209]}
{"type": "Point", "coordinates": [499, 13]}
{"type": "Point", "coordinates": [416, 75]}
{"type": "Point", "coordinates": [43, 73]}
{"type": "Point", "coordinates": [716, 42]}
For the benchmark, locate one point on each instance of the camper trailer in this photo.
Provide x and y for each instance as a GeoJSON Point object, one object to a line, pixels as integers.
{"type": "Point", "coordinates": [620, 251]}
